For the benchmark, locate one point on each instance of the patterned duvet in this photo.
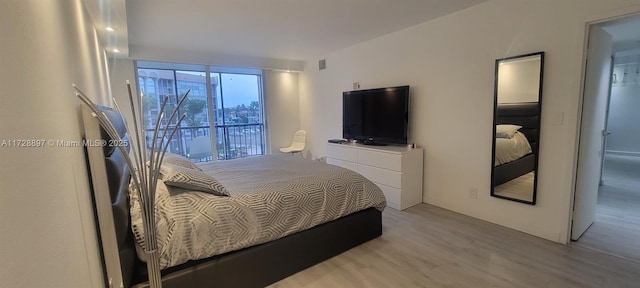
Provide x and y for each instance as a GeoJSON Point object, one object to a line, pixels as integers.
{"type": "Point", "coordinates": [271, 196]}
{"type": "Point", "coordinates": [510, 149]}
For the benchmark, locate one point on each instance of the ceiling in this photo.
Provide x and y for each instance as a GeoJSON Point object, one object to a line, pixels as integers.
{"type": "Point", "coordinates": [275, 29]}
{"type": "Point", "coordinates": [625, 33]}
{"type": "Point", "coordinates": [279, 29]}
{"type": "Point", "coordinates": [110, 13]}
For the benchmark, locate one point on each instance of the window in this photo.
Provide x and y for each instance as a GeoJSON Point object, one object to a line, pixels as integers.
{"type": "Point", "coordinates": [229, 103]}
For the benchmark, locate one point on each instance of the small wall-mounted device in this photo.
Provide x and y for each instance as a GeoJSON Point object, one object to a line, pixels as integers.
{"type": "Point", "coordinates": [356, 85]}
{"type": "Point", "coordinates": [322, 64]}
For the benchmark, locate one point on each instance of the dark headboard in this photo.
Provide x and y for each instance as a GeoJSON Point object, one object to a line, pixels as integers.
{"type": "Point", "coordinates": [110, 184]}
{"type": "Point", "coordinates": [526, 115]}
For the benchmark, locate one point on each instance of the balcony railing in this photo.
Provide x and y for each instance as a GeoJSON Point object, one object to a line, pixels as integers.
{"type": "Point", "coordinates": [232, 141]}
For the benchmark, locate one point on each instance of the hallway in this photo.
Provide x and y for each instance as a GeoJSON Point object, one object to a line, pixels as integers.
{"type": "Point", "coordinates": [617, 227]}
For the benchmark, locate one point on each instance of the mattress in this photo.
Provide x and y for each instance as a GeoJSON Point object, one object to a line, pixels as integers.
{"type": "Point", "coordinates": [272, 196]}
{"type": "Point", "coordinates": [510, 149]}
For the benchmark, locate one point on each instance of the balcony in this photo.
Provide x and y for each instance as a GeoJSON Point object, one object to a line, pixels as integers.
{"type": "Point", "coordinates": [232, 141]}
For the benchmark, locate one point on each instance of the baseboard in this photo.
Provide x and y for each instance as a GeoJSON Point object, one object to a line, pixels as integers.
{"type": "Point", "coordinates": [622, 153]}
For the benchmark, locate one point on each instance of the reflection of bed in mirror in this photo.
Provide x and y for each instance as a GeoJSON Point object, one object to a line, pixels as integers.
{"type": "Point", "coordinates": [518, 98]}
{"type": "Point", "coordinates": [525, 115]}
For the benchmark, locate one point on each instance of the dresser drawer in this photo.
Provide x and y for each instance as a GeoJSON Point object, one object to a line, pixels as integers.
{"type": "Point", "coordinates": [342, 152]}
{"type": "Point", "coordinates": [395, 169]}
{"type": "Point", "coordinates": [382, 176]}
{"type": "Point", "coordinates": [344, 164]}
{"type": "Point", "coordinates": [392, 195]}
{"type": "Point", "coordinates": [380, 159]}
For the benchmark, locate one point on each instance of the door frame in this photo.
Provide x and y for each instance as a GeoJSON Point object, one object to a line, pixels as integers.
{"type": "Point", "coordinates": [594, 20]}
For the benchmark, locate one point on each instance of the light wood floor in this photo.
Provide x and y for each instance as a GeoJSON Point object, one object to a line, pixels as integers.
{"type": "Point", "coordinates": [519, 188]}
{"type": "Point", "coordinates": [426, 246]}
{"type": "Point", "coordinates": [617, 226]}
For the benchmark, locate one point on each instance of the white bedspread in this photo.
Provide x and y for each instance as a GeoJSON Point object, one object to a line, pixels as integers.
{"type": "Point", "coordinates": [508, 150]}
{"type": "Point", "coordinates": [271, 196]}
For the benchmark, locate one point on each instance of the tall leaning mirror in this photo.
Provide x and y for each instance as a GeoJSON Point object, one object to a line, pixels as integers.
{"type": "Point", "coordinates": [516, 129]}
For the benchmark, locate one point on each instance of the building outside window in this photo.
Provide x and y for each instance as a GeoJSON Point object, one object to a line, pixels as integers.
{"type": "Point", "coordinates": [230, 104]}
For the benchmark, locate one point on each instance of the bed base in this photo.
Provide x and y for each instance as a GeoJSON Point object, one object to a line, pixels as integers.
{"type": "Point", "coordinates": [514, 169]}
{"type": "Point", "coordinates": [261, 265]}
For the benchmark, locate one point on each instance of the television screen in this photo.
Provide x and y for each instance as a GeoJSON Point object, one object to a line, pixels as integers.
{"type": "Point", "coordinates": [376, 116]}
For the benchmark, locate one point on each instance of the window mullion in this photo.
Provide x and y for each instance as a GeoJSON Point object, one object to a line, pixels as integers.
{"type": "Point", "coordinates": [225, 130]}
{"type": "Point", "coordinates": [212, 122]}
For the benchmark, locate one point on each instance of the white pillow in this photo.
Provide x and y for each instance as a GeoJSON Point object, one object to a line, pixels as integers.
{"type": "Point", "coordinates": [506, 130]}
{"type": "Point", "coordinates": [178, 176]}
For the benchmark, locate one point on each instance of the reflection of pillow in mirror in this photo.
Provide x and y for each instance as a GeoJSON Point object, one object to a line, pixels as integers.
{"type": "Point", "coordinates": [506, 130]}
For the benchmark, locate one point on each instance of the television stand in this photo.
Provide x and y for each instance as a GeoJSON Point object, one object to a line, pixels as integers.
{"type": "Point", "coordinates": [397, 170]}
{"type": "Point", "coordinates": [372, 143]}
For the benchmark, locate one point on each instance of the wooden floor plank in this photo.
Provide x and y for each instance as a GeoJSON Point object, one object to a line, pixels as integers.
{"type": "Point", "coordinates": [616, 229]}
{"type": "Point", "coordinates": [426, 246]}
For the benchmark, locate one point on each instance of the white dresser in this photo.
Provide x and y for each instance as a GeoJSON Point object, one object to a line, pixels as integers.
{"type": "Point", "coordinates": [396, 170]}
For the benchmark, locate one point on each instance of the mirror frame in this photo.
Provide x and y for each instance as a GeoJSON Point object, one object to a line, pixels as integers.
{"type": "Point", "coordinates": [535, 150]}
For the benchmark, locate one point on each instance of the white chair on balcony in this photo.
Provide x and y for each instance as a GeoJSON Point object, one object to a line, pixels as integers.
{"type": "Point", "coordinates": [297, 145]}
{"type": "Point", "coordinates": [200, 148]}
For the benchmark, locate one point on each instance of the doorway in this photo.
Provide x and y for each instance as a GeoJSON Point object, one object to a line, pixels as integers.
{"type": "Point", "coordinates": [616, 221]}
{"type": "Point", "coordinates": [616, 229]}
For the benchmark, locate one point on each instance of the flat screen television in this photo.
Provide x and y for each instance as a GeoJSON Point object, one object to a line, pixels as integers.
{"type": "Point", "coordinates": [376, 116]}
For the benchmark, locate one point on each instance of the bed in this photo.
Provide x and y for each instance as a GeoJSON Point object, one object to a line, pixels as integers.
{"type": "Point", "coordinates": [527, 116]}
{"type": "Point", "coordinates": [235, 263]}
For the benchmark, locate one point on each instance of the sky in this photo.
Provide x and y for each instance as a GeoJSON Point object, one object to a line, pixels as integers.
{"type": "Point", "coordinates": [239, 89]}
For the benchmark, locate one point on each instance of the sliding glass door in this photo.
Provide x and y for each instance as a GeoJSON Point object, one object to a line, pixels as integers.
{"type": "Point", "coordinates": [240, 119]}
{"type": "Point", "coordinates": [228, 103]}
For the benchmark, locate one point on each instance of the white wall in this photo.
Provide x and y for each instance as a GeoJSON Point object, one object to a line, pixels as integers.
{"type": "Point", "coordinates": [211, 58]}
{"type": "Point", "coordinates": [623, 113]}
{"type": "Point", "coordinates": [121, 71]}
{"type": "Point", "coordinates": [519, 81]}
{"type": "Point", "coordinates": [47, 233]}
{"type": "Point", "coordinates": [449, 63]}
{"type": "Point", "coordinates": [282, 107]}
